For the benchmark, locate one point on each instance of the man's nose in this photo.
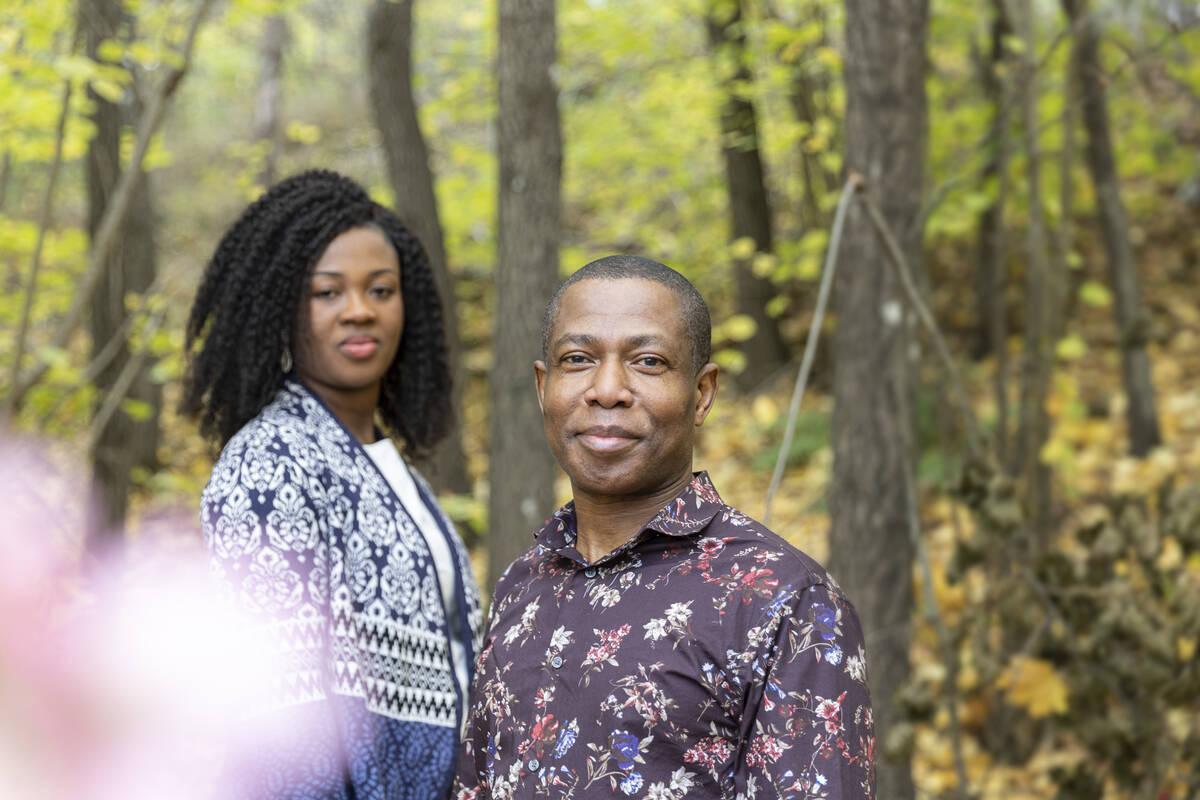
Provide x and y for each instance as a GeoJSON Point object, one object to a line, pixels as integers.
{"type": "Point", "coordinates": [610, 385]}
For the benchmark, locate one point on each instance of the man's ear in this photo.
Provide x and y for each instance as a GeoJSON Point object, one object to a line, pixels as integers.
{"type": "Point", "coordinates": [539, 379]}
{"type": "Point", "coordinates": [706, 391]}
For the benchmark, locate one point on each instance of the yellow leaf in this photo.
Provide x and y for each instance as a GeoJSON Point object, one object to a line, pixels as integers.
{"type": "Point", "coordinates": [303, 133]}
{"type": "Point", "coordinates": [1171, 557]}
{"type": "Point", "coordinates": [1186, 645]}
{"type": "Point", "coordinates": [1094, 293]}
{"type": "Point", "coordinates": [1071, 347]}
{"type": "Point", "coordinates": [765, 410]}
{"type": "Point", "coordinates": [1178, 724]}
{"type": "Point", "coordinates": [777, 305]}
{"type": "Point", "coordinates": [742, 248]}
{"type": "Point", "coordinates": [739, 327]}
{"type": "Point", "coordinates": [763, 265]}
{"type": "Point", "coordinates": [731, 360]}
{"type": "Point", "coordinates": [1034, 685]}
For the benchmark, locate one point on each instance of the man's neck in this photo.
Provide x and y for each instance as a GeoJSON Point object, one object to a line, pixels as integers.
{"type": "Point", "coordinates": [605, 523]}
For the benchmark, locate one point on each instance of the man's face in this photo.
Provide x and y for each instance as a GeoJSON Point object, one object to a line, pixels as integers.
{"type": "Point", "coordinates": [620, 397]}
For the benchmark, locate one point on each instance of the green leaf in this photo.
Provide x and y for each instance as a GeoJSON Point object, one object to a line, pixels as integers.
{"type": "Point", "coordinates": [137, 410]}
{"type": "Point", "coordinates": [1094, 293]}
{"type": "Point", "coordinates": [742, 248]}
{"type": "Point", "coordinates": [738, 328]}
{"type": "Point", "coordinates": [1071, 347]}
{"type": "Point", "coordinates": [732, 360]}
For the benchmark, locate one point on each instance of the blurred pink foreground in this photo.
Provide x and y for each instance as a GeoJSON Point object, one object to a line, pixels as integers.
{"type": "Point", "coordinates": [129, 682]}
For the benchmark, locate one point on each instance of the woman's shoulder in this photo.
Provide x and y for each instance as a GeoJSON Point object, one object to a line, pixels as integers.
{"type": "Point", "coordinates": [283, 431]}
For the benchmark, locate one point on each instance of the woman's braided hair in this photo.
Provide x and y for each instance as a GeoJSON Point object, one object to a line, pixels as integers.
{"type": "Point", "coordinates": [246, 310]}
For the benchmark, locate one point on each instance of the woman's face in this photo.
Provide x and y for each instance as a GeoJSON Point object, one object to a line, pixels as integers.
{"type": "Point", "coordinates": [351, 318]}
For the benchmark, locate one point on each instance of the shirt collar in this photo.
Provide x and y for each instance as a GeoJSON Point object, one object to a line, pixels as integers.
{"type": "Point", "coordinates": [690, 511]}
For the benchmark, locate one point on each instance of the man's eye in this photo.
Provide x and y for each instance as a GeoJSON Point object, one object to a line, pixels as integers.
{"type": "Point", "coordinates": [574, 358]}
{"type": "Point", "coordinates": [651, 361]}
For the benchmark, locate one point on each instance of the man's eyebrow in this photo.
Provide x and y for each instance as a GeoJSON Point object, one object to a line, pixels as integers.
{"type": "Point", "coordinates": [587, 340]}
{"type": "Point", "coordinates": [578, 339]}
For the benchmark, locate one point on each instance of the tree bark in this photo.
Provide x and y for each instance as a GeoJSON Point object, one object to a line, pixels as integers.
{"type": "Point", "coordinates": [1141, 415]}
{"type": "Point", "coordinates": [749, 206]}
{"type": "Point", "coordinates": [871, 502]}
{"type": "Point", "coordinates": [269, 98]}
{"type": "Point", "coordinates": [389, 40]}
{"type": "Point", "coordinates": [1044, 291]}
{"type": "Point", "coordinates": [123, 443]}
{"type": "Point", "coordinates": [521, 471]}
{"type": "Point", "coordinates": [991, 283]}
{"type": "Point", "coordinates": [809, 96]}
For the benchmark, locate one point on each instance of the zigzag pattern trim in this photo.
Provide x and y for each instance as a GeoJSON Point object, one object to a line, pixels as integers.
{"type": "Point", "coordinates": [400, 672]}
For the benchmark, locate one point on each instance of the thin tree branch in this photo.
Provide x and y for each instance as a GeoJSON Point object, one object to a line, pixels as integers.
{"type": "Point", "coordinates": [44, 219]}
{"type": "Point", "coordinates": [810, 346]}
{"type": "Point", "coordinates": [102, 359]}
{"type": "Point", "coordinates": [981, 145]}
{"type": "Point", "coordinates": [121, 386]}
{"type": "Point", "coordinates": [896, 256]}
{"type": "Point", "coordinates": [117, 208]}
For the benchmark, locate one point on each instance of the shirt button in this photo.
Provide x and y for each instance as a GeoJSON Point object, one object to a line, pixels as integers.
{"type": "Point", "coordinates": [590, 572]}
{"type": "Point", "coordinates": [556, 662]}
{"type": "Point", "coordinates": [534, 764]}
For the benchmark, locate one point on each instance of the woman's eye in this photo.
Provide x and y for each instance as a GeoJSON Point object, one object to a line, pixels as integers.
{"type": "Point", "coordinates": [383, 291]}
{"type": "Point", "coordinates": [324, 294]}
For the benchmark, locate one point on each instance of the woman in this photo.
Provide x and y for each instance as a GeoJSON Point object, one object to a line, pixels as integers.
{"type": "Point", "coordinates": [316, 317]}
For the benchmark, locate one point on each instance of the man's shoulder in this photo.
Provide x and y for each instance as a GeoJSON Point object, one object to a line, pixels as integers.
{"type": "Point", "coordinates": [747, 533]}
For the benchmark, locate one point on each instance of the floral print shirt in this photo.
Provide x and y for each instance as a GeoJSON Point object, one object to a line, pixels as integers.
{"type": "Point", "coordinates": [704, 658]}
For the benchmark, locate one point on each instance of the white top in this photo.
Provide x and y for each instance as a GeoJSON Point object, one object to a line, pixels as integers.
{"type": "Point", "coordinates": [387, 458]}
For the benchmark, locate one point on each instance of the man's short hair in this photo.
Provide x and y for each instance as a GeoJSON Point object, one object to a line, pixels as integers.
{"type": "Point", "coordinates": [622, 267]}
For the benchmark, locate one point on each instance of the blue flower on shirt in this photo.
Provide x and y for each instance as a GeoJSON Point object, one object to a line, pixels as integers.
{"type": "Point", "coordinates": [825, 621]}
{"type": "Point", "coordinates": [631, 783]}
{"type": "Point", "coordinates": [625, 747]}
{"type": "Point", "coordinates": [566, 738]}
{"type": "Point", "coordinates": [833, 656]}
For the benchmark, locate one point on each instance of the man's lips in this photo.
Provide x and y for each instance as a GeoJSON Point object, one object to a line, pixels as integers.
{"type": "Point", "coordinates": [606, 438]}
{"type": "Point", "coordinates": [359, 347]}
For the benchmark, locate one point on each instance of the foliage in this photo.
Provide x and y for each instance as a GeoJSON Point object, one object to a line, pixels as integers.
{"type": "Point", "coordinates": [1071, 663]}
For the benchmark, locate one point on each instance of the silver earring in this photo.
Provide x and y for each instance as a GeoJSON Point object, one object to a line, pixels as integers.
{"type": "Point", "coordinates": [285, 360]}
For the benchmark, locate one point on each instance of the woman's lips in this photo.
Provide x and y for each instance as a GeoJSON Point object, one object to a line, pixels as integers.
{"type": "Point", "coordinates": [359, 347]}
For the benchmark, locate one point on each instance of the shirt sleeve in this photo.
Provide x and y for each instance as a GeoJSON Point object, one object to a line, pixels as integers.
{"type": "Point", "coordinates": [808, 731]}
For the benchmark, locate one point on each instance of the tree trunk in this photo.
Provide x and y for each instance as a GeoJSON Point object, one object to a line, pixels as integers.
{"type": "Point", "coordinates": [749, 206]}
{"type": "Point", "coordinates": [870, 497]}
{"type": "Point", "coordinates": [991, 282]}
{"type": "Point", "coordinates": [125, 443]}
{"type": "Point", "coordinates": [1122, 267]}
{"type": "Point", "coordinates": [1044, 290]}
{"type": "Point", "coordinates": [809, 96]}
{"type": "Point", "coordinates": [270, 94]}
{"type": "Point", "coordinates": [521, 471]}
{"type": "Point", "coordinates": [389, 38]}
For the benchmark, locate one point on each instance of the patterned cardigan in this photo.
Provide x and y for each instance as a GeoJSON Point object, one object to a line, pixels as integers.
{"type": "Point", "coordinates": [307, 536]}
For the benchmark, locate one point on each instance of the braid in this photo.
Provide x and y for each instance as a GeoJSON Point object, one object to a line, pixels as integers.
{"type": "Point", "coordinates": [246, 306]}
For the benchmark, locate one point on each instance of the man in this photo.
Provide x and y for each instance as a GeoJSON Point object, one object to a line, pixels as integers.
{"type": "Point", "coordinates": [654, 642]}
